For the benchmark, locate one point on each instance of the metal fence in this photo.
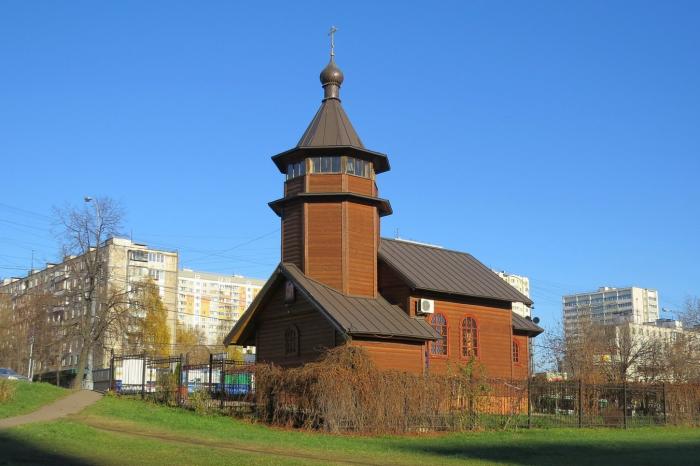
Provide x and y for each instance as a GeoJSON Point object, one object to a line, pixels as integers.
{"type": "Point", "coordinates": [222, 383]}
{"type": "Point", "coordinates": [229, 386]}
{"type": "Point", "coordinates": [578, 404]}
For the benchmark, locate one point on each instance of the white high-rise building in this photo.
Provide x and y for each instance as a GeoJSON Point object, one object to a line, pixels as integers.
{"type": "Point", "coordinates": [212, 303]}
{"type": "Point", "coordinates": [522, 284]}
{"type": "Point", "coordinates": [610, 306]}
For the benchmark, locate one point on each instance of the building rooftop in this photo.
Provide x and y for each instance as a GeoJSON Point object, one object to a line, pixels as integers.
{"type": "Point", "coordinates": [352, 315]}
{"type": "Point", "coordinates": [218, 277]}
{"type": "Point", "coordinates": [431, 268]}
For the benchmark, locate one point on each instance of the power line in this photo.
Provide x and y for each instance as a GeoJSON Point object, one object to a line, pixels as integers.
{"type": "Point", "coordinates": [24, 211]}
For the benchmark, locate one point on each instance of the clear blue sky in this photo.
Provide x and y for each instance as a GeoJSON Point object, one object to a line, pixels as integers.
{"type": "Point", "coordinates": [560, 140]}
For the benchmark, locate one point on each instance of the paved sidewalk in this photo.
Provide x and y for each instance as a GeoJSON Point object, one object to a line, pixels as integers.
{"type": "Point", "coordinates": [71, 404]}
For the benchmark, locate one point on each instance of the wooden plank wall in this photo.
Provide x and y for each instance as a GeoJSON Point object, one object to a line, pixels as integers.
{"type": "Point", "coordinates": [394, 355]}
{"type": "Point", "coordinates": [360, 185]}
{"type": "Point", "coordinates": [393, 288]}
{"type": "Point", "coordinates": [293, 235]}
{"type": "Point", "coordinates": [325, 183]}
{"type": "Point", "coordinates": [361, 250]}
{"type": "Point", "coordinates": [294, 186]}
{"type": "Point", "coordinates": [494, 336]}
{"type": "Point", "coordinates": [315, 332]}
{"type": "Point", "coordinates": [324, 251]}
{"type": "Point", "coordinates": [520, 369]}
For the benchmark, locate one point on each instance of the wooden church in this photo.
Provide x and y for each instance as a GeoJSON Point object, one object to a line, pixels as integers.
{"type": "Point", "coordinates": [412, 307]}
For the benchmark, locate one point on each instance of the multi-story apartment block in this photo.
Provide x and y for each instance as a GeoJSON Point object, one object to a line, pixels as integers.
{"type": "Point", "coordinates": [522, 284]}
{"type": "Point", "coordinates": [213, 303]}
{"type": "Point", "coordinates": [126, 263]}
{"type": "Point", "coordinates": [610, 306]}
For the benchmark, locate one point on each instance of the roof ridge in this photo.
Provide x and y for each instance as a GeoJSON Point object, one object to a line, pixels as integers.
{"type": "Point", "coordinates": [422, 245]}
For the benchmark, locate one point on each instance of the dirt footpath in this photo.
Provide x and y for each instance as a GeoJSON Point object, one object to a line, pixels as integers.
{"type": "Point", "coordinates": [71, 404]}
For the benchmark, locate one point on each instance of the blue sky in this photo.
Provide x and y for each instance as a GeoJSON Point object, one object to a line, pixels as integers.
{"type": "Point", "coordinates": [559, 140]}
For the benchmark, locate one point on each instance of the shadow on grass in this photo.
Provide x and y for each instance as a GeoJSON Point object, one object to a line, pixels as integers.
{"type": "Point", "coordinates": [15, 451]}
{"type": "Point", "coordinates": [569, 454]}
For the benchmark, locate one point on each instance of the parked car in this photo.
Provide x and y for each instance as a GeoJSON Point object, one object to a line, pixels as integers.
{"type": "Point", "coordinates": [9, 374]}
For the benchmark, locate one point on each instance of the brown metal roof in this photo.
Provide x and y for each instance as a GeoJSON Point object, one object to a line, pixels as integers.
{"type": "Point", "coordinates": [352, 315]}
{"type": "Point", "coordinates": [331, 133]}
{"type": "Point", "coordinates": [431, 268]}
{"type": "Point", "coordinates": [330, 127]}
{"type": "Point", "coordinates": [526, 325]}
{"type": "Point", "coordinates": [358, 315]}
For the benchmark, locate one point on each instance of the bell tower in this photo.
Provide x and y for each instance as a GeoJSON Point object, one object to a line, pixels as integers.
{"type": "Point", "coordinates": [331, 206]}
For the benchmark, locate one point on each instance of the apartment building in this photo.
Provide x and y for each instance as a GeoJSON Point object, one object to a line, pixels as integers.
{"type": "Point", "coordinates": [126, 263]}
{"type": "Point", "coordinates": [213, 303]}
{"type": "Point", "coordinates": [610, 306]}
{"type": "Point", "coordinates": [522, 284]}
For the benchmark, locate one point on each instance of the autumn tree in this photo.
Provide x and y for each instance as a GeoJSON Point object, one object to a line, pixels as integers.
{"type": "Point", "coordinates": [192, 342]}
{"type": "Point", "coordinates": [153, 331]}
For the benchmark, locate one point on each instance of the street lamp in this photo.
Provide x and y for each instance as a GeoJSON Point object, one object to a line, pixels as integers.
{"type": "Point", "coordinates": [88, 383]}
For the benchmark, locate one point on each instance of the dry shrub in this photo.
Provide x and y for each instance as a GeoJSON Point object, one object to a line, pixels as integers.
{"type": "Point", "coordinates": [7, 390]}
{"type": "Point", "coordinates": [683, 403]}
{"type": "Point", "coordinates": [345, 391]}
{"type": "Point", "coordinates": [200, 401]}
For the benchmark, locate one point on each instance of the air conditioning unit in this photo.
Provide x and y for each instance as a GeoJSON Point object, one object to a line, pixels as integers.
{"type": "Point", "coordinates": [425, 306]}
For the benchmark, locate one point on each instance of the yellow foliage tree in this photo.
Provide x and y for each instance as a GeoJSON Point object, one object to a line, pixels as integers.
{"type": "Point", "coordinates": [155, 333]}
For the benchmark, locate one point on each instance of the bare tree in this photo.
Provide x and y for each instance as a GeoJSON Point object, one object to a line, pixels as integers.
{"type": "Point", "coordinates": [626, 350]}
{"type": "Point", "coordinates": [102, 304]}
{"type": "Point", "coordinates": [690, 315]}
{"type": "Point", "coordinates": [683, 359]}
{"type": "Point", "coordinates": [551, 348]}
{"type": "Point", "coordinates": [27, 333]}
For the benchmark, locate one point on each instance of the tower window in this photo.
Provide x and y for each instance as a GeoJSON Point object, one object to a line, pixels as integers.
{"type": "Point", "coordinates": [516, 352]}
{"type": "Point", "coordinates": [357, 167]}
{"type": "Point", "coordinates": [296, 169]}
{"type": "Point", "coordinates": [337, 164]}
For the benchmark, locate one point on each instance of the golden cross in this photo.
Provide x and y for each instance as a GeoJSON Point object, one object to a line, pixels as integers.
{"type": "Point", "coordinates": [331, 33]}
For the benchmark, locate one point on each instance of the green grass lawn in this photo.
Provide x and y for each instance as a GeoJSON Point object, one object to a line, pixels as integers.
{"type": "Point", "coordinates": [29, 397]}
{"type": "Point", "coordinates": [122, 431]}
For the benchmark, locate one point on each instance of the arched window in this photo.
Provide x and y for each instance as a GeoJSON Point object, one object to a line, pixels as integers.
{"type": "Point", "coordinates": [470, 338]}
{"type": "Point", "coordinates": [516, 351]}
{"type": "Point", "coordinates": [439, 346]}
{"type": "Point", "coordinates": [291, 341]}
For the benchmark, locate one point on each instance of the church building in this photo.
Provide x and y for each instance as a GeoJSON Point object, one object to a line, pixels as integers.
{"type": "Point", "coordinates": [411, 307]}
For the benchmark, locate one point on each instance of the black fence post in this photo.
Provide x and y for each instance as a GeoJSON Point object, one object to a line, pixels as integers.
{"type": "Point", "coordinates": [111, 370]}
{"type": "Point", "coordinates": [663, 394]}
{"type": "Point", "coordinates": [143, 376]}
{"type": "Point", "coordinates": [222, 381]}
{"type": "Point", "coordinates": [580, 403]}
{"type": "Point", "coordinates": [178, 374]}
{"type": "Point", "coordinates": [529, 407]}
{"type": "Point", "coordinates": [211, 363]}
{"type": "Point", "coordinates": [624, 404]}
